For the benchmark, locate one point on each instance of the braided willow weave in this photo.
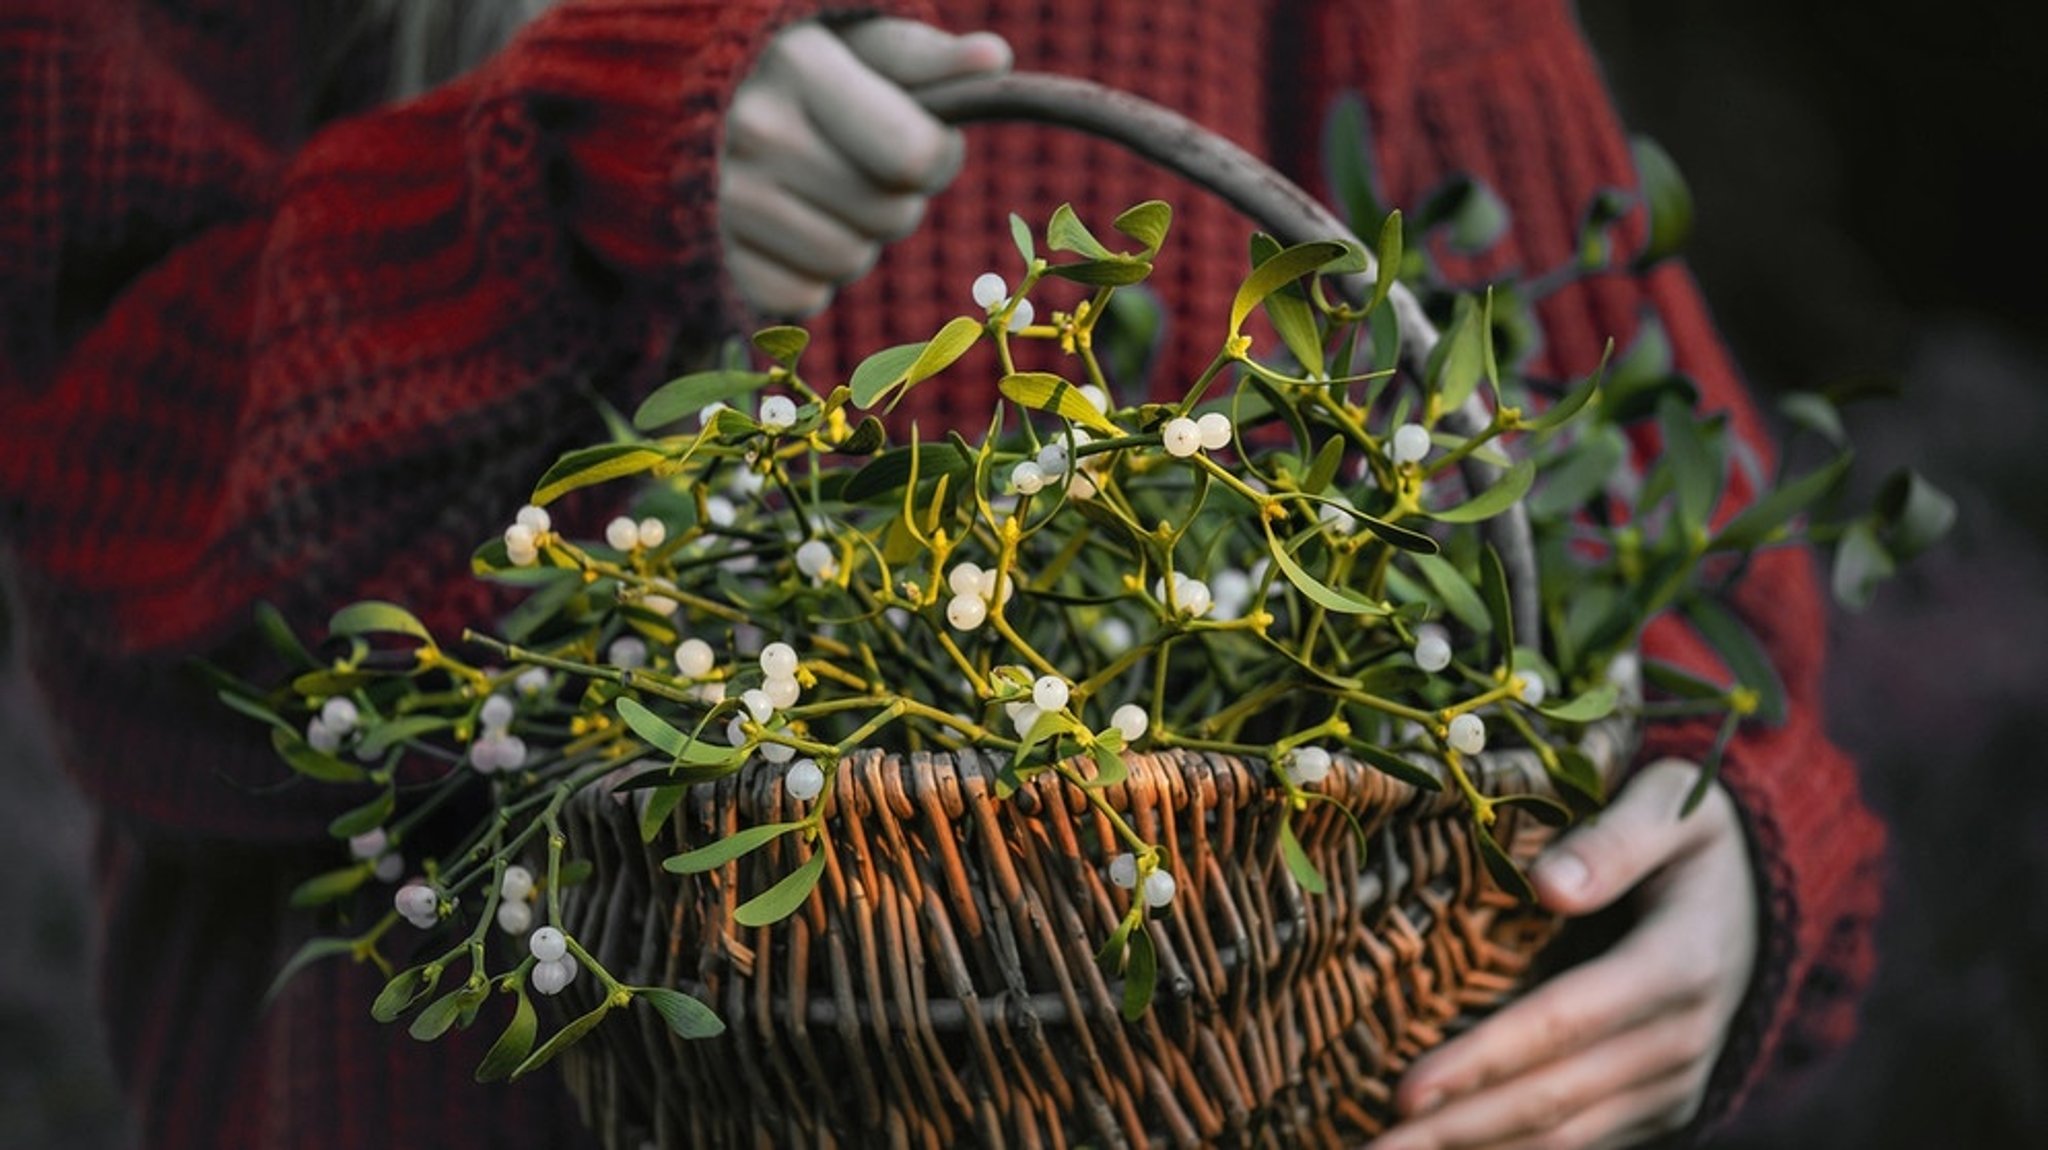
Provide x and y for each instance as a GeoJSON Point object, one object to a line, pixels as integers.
{"type": "Point", "coordinates": [940, 987]}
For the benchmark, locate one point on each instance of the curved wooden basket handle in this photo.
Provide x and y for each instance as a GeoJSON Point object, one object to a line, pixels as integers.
{"type": "Point", "coordinates": [1263, 195]}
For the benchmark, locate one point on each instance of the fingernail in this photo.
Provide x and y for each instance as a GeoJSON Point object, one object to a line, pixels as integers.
{"type": "Point", "coordinates": [1562, 872]}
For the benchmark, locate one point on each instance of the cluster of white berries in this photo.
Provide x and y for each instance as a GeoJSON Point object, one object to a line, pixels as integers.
{"type": "Point", "coordinates": [375, 843]}
{"type": "Point", "coordinates": [337, 720]}
{"type": "Point", "coordinates": [991, 291]}
{"type": "Point", "coordinates": [523, 539]}
{"type": "Point", "coordinates": [496, 748]}
{"type": "Point", "coordinates": [973, 590]}
{"type": "Point", "coordinates": [779, 690]}
{"type": "Point", "coordinates": [553, 966]}
{"type": "Point", "coordinates": [1411, 443]}
{"type": "Point", "coordinates": [515, 900]}
{"type": "Point", "coordinates": [1307, 766]}
{"type": "Point", "coordinates": [418, 904]}
{"type": "Point", "coordinates": [1159, 885]}
{"type": "Point", "coordinates": [1190, 596]}
{"type": "Point", "coordinates": [623, 534]}
{"type": "Point", "coordinates": [1183, 437]}
{"type": "Point", "coordinates": [1049, 694]}
{"type": "Point", "coordinates": [1056, 461]}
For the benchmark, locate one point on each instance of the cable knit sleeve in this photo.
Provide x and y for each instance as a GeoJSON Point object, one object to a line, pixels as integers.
{"type": "Point", "coordinates": [238, 373]}
{"type": "Point", "coordinates": [1513, 96]}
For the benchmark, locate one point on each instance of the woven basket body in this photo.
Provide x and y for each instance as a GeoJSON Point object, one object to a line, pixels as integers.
{"type": "Point", "coordinates": [940, 986]}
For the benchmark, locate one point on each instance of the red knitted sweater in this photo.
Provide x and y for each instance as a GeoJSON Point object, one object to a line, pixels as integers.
{"type": "Point", "coordinates": [243, 364]}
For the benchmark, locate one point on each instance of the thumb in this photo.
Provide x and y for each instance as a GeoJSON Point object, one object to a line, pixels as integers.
{"type": "Point", "coordinates": [1640, 832]}
{"type": "Point", "coordinates": [913, 53]}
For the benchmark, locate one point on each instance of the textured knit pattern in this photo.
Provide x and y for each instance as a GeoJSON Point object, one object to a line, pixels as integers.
{"type": "Point", "coordinates": [243, 366]}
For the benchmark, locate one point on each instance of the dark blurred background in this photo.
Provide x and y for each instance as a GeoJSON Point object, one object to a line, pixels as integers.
{"type": "Point", "coordinates": [1863, 220]}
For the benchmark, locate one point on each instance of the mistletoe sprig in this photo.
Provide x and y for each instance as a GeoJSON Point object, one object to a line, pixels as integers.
{"type": "Point", "coordinates": [1287, 559]}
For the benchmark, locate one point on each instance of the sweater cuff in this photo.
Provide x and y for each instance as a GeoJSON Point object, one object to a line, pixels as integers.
{"type": "Point", "coordinates": [1816, 854]}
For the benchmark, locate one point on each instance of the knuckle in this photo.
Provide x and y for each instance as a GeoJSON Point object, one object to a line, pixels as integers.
{"type": "Point", "coordinates": [924, 161]}
{"type": "Point", "coordinates": [759, 123]}
{"type": "Point", "coordinates": [1544, 1109]}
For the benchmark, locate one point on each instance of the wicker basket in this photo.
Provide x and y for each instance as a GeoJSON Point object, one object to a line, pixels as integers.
{"type": "Point", "coordinates": [940, 985]}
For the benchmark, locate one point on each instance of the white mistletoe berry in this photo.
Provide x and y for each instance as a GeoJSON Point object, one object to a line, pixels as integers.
{"type": "Point", "coordinates": [628, 652]}
{"type": "Point", "coordinates": [720, 511]}
{"type": "Point", "coordinates": [1022, 315]}
{"type": "Point", "coordinates": [778, 660]}
{"type": "Point", "coordinates": [519, 537]}
{"type": "Point", "coordinates": [758, 705]}
{"type": "Point", "coordinates": [1468, 734]}
{"type": "Point", "coordinates": [1132, 720]}
{"type": "Point", "coordinates": [1411, 443]}
{"type": "Point", "coordinates": [1159, 888]}
{"type": "Point", "coordinates": [1338, 516]}
{"type": "Point", "coordinates": [694, 658]}
{"type": "Point", "coordinates": [1215, 430]}
{"type": "Point", "coordinates": [340, 714]}
{"type": "Point", "coordinates": [516, 883]}
{"type": "Point", "coordinates": [966, 612]}
{"type": "Point", "coordinates": [1530, 688]}
{"type": "Point", "coordinates": [805, 780]}
{"type": "Point", "coordinates": [322, 737]}
{"type": "Point", "coordinates": [1023, 717]}
{"type": "Point", "coordinates": [778, 412]}
{"type": "Point", "coordinates": [1231, 591]}
{"type": "Point", "coordinates": [965, 579]}
{"type": "Point", "coordinates": [1113, 635]}
{"type": "Point", "coordinates": [389, 866]}
{"type": "Point", "coordinates": [652, 533]}
{"type": "Point", "coordinates": [514, 916]}
{"type": "Point", "coordinates": [548, 944]}
{"type": "Point", "coordinates": [1050, 693]}
{"type": "Point", "coordinates": [1052, 458]}
{"type": "Point", "coordinates": [782, 690]}
{"type": "Point", "coordinates": [814, 558]}
{"type": "Point", "coordinates": [417, 904]}
{"type": "Point", "coordinates": [550, 978]}
{"type": "Point", "coordinates": [496, 714]}
{"type": "Point", "coordinates": [1432, 648]}
{"type": "Point", "coordinates": [1096, 397]}
{"type": "Point", "coordinates": [658, 603]}
{"type": "Point", "coordinates": [534, 519]}
{"type": "Point", "coordinates": [990, 290]}
{"type": "Point", "coordinates": [369, 844]}
{"type": "Point", "coordinates": [622, 534]}
{"type": "Point", "coordinates": [1307, 766]}
{"type": "Point", "coordinates": [1181, 437]}
{"type": "Point", "coordinates": [1027, 477]}
{"type": "Point", "coordinates": [1123, 870]}
{"type": "Point", "coordinates": [777, 752]}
